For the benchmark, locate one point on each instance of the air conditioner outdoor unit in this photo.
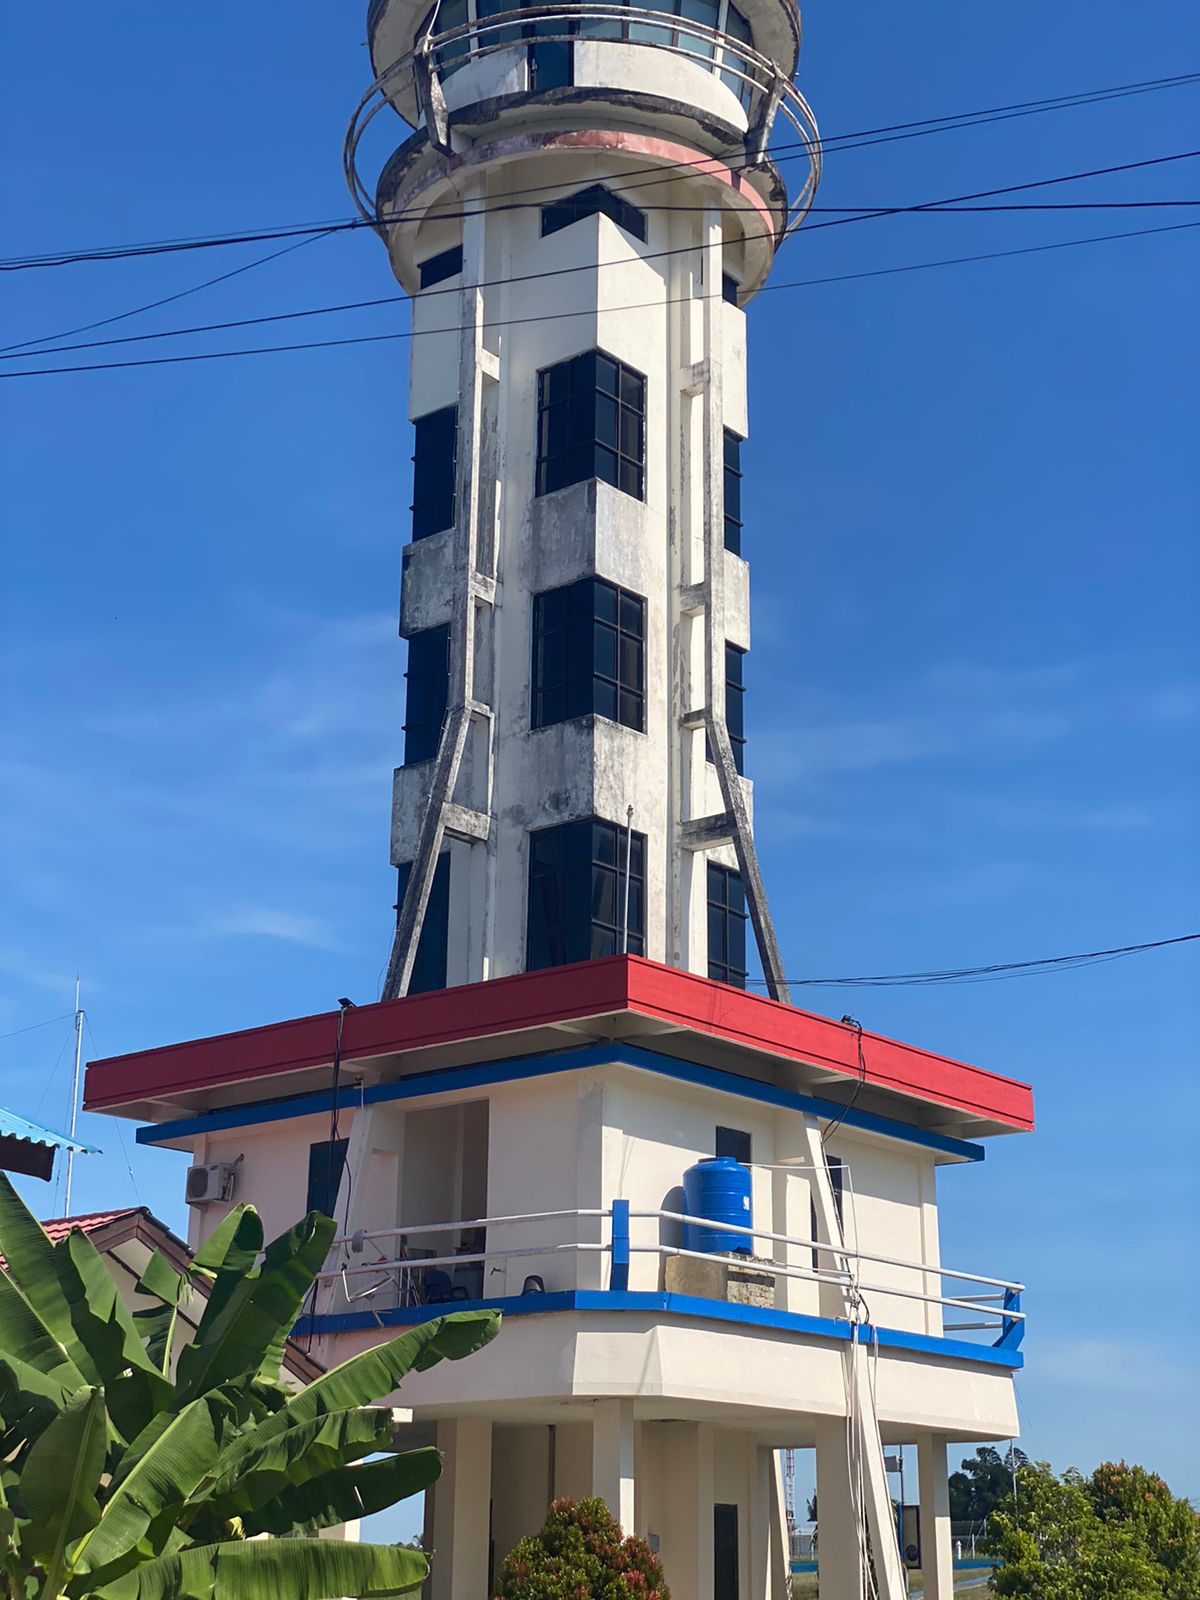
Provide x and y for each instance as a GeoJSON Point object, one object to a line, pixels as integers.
{"type": "Point", "coordinates": [211, 1183]}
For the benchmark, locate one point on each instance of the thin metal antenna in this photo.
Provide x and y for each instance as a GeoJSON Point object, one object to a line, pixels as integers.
{"type": "Point", "coordinates": [628, 864]}
{"type": "Point", "coordinates": [74, 1100]}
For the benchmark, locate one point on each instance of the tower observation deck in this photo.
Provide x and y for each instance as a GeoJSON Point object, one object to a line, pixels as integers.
{"type": "Point", "coordinates": [583, 206]}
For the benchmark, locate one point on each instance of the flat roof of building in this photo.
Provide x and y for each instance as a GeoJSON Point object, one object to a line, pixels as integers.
{"type": "Point", "coordinates": [618, 999]}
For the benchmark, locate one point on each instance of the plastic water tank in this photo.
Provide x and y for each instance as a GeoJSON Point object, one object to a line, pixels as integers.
{"type": "Point", "coordinates": [719, 1191]}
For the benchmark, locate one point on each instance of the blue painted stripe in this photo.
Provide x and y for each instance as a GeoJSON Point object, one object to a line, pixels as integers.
{"type": "Point", "coordinates": [677, 1305]}
{"type": "Point", "coordinates": [454, 1079]}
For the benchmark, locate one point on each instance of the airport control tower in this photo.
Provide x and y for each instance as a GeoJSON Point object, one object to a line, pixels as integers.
{"type": "Point", "coordinates": [581, 208]}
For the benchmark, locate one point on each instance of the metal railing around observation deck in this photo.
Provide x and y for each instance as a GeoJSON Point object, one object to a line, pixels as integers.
{"type": "Point", "coordinates": [544, 38]}
{"type": "Point", "coordinates": [380, 1269]}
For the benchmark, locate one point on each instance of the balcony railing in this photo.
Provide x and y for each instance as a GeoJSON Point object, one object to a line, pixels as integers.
{"type": "Point", "coordinates": [539, 44]}
{"type": "Point", "coordinates": [378, 1268]}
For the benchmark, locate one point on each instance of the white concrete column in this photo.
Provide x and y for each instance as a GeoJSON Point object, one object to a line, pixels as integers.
{"type": "Point", "coordinates": [839, 1548]}
{"type": "Point", "coordinates": [937, 1559]}
{"type": "Point", "coordinates": [686, 1515]}
{"type": "Point", "coordinates": [612, 1458]}
{"type": "Point", "coordinates": [462, 1510]}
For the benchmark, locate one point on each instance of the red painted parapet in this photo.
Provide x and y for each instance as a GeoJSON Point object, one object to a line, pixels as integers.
{"type": "Point", "coordinates": [539, 1000]}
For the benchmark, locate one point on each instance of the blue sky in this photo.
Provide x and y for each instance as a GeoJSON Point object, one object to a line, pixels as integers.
{"type": "Point", "coordinates": [974, 685]}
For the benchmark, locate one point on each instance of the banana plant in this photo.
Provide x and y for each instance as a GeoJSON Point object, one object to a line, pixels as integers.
{"type": "Point", "coordinates": [136, 1466]}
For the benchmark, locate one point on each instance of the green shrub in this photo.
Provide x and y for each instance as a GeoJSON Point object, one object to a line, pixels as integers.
{"type": "Point", "coordinates": [580, 1554]}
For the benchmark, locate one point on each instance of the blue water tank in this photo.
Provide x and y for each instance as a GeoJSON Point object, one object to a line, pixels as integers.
{"type": "Point", "coordinates": [718, 1190]}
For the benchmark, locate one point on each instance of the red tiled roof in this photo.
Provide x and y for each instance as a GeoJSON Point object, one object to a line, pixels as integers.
{"type": "Point", "coordinates": [89, 1222]}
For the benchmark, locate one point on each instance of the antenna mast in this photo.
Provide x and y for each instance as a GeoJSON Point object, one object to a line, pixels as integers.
{"type": "Point", "coordinates": [74, 1101]}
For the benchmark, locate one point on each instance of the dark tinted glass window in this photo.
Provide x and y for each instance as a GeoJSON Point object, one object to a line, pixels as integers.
{"type": "Point", "coordinates": [436, 269]}
{"type": "Point", "coordinates": [589, 654]}
{"type": "Point", "coordinates": [729, 289]}
{"type": "Point", "coordinates": [591, 424]}
{"type": "Point", "coordinates": [822, 1261]}
{"type": "Point", "coordinates": [577, 885]}
{"type": "Point", "coordinates": [429, 969]}
{"type": "Point", "coordinates": [428, 678]}
{"type": "Point", "coordinates": [433, 472]}
{"type": "Point", "coordinates": [733, 1142]}
{"type": "Point", "coordinates": [733, 493]}
{"type": "Point", "coordinates": [726, 1561]}
{"type": "Point", "coordinates": [735, 704]}
{"type": "Point", "coordinates": [740, 81]}
{"type": "Point", "coordinates": [326, 1161]}
{"type": "Point", "coordinates": [727, 917]}
{"type": "Point", "coordinates": [597, 200]}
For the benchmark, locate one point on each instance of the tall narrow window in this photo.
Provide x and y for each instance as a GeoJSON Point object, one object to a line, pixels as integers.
{"type": "Point", "coordinates": [591, 424]}
{"type": "Point", "coordinates": [733, 492]}
{"type": "Point", "coordinates": [429, 968]}
{"type": "Point", "coordinates": [428, 678]}
{"type": "Point", "coordinates": [577, 893]}
{"type": "Point", "coordinates": [821, 1259]}
{"type": "Point", "coordinates": [740, 74]}
{"type": "Point", "coordinates": [594, 201]}
{"type": "Point", "coordinates": [433, 471]}
{"type": "Point", "coordinates": [735, 708]}
{"type": "Point", "coordinates": [726, 1560]}
{"type": "Point", "coordinates": [727, 917]}
{"type": "Point", "coordinates": [589, 654]}
{"type": "Point", "coordinates": [729, 289]}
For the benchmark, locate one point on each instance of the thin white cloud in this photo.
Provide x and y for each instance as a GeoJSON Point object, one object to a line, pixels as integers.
{"type": "Point", "coordinates": [264, 922]}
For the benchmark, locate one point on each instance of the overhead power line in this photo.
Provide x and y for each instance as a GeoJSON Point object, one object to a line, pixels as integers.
{"type": "Point", "coordinates": [558, 316]}
{"type": "Point", "coordinates": [992, 973]}
{"type": "Point", "coordinates": [944, 206]}
{"type": "Point", "coordinates": [834, 144]}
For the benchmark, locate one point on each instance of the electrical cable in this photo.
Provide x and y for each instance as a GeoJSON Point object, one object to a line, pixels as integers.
{"type": "Point", "coordinates": [33, 1026]}
{"type": "Point", "coordinates": [834, 144]}
{"type": "Point", "coordinates": [990, 973]}
{"type": "Point", "coordinates": [153, 305]}
{"type": "Point", "coordinates": [510, 322]}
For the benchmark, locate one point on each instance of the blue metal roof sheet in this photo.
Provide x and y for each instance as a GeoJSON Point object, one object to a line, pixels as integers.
{"type": "Point", "coordinates": [15, 1127]}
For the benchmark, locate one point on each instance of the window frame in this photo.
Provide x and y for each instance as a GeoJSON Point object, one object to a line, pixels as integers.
{"type": "Point", "coordinates": [734, 919]}
{"type": "Point", "coordinates": [837, 1182]}
{"type": "Point", "coordinates": [435, 472]}
{"type": "Point", "coordinates": [422, 681]}
{"type": "Point", "coordinates": [433, 947]}
{"type": "Point", "coordinates": [731, 477]}
{"type": "Point", "coordinates": [585, 858]}
{"type": "Point", "coordinates": [440, 266]}
{"type": "Point", "coordinates": [595, 200]}
{"type": "Point", "coordinates": [589, 417]}
{"type": "Point", "coordinates": [614, 623]}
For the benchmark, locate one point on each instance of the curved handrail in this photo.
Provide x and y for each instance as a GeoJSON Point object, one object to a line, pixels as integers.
{"type": "Point", "coordinates": [770, 90]}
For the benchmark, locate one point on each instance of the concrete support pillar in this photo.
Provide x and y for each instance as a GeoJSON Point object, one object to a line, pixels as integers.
{"type": "Point", "coordinates": [839, 1547]}
{"type": "Point", "coordinates": [937, 1557]}
{"type": "Point", "coordinates": [462, 1510]}
{"type": "Point", "coordinates": [686, 1530]}
{"type": "Point", "coordinates": [768, 1540]}
{"type": "Point", "coordinates": [612, 1458]}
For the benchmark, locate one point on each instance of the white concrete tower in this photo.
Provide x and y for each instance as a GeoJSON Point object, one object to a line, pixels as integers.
{"type": "Point", "coordinates": [583, 209]}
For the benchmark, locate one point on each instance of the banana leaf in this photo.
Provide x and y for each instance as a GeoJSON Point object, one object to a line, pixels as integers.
{"type": "Point", "coordinates": [29, 1255]}
{"type": "Point", "coordinates": [102, 1322]}
{"type": "Point", "coordinates": [68, 1456]}
{"type": "Point", "coordinates": [21, 1328]}
{"type": "Point", "coordinates": [166, 1471]}
{"type": "Point", "coordinates": [301, 1569]}
{"type": "Point", "coordinates": [156, 1324]}
{"type": "Point", "coordinates": [346, 1493]}
{"type": "Point", "coordinates": [259, 1314]}
{"type": "Point", "coordinates": [251, 1470]}
{"type": "Point", "coordinates": [226, 1258]}
{"type": "Point", "coordinates": [374, 1373]}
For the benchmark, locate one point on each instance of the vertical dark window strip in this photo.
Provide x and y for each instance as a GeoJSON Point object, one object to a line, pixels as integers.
{"type": "Point", "coordinates": [428, 692]}
{"type": "Point", "coordinates": [735, 704]}
{"type": "Point", "coordinates": [729, 289]}
{"type": "Point", "coordinates": [577, 893]}
{"type": "Point", "coordinates": [591, 424]}
{"type": "Point", "coordinates": [733, 492]}
{"type": "Point", "coordinates": [821, 1259]}
{"type": "Point", "coordinates": [727, 918]}
{"type": "Point", "coordinates": [436, 269]}
{"type": "Point", "coordinates": [326, 1162]}
{"type": "Point", "coordinates": [434, 457]}
{"type": "Point", "coordinates": [429, 968]}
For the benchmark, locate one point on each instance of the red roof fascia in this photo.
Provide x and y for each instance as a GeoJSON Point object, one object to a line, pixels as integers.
{"type": "Point", "coordinates": [538, 999]}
